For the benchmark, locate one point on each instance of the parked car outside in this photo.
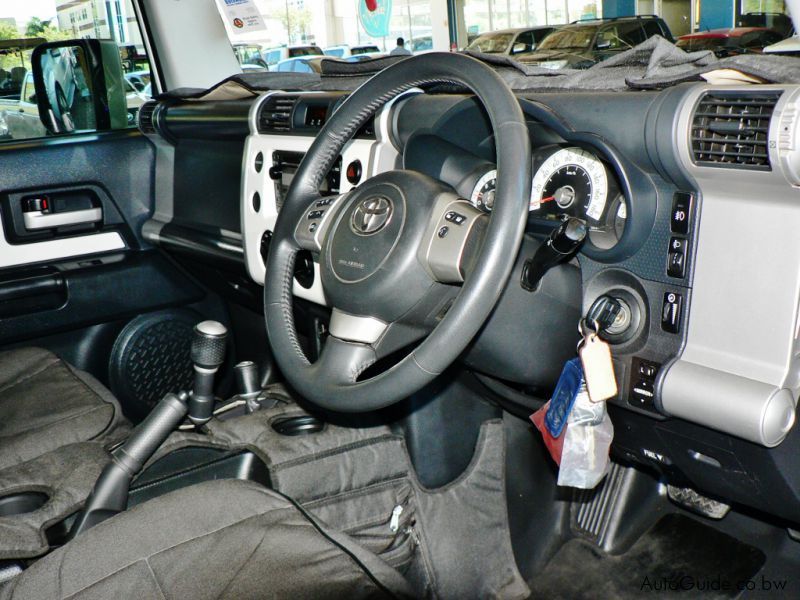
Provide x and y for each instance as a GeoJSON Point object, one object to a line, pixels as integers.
{"type": "Point", "coordinates": [776, 21]}
{"type": "Point", "coordinates": [139, 79]}
{"type": "Point", "coordinates": [300, 64]}
{"type": "Point", "coordinates": [729, 42]}
{"type": "Point", "coordinates": [421, 44]}
{"type": "Point", "coordinates": [272, 56]}
{"type": "Point", "coordinates": [788, 47]}
{"type": "Point", "coordinates": [582, 44]}
{"type": "Point", "coordinates": [249, 54]}
{"type": "Point", "coordinates": [345, 51]}
{"type": "Point", "coordinates": [510, 42]}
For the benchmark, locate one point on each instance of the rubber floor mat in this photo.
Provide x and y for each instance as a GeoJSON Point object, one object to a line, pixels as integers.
{"type": "Point", "coordinates": [677, 556]}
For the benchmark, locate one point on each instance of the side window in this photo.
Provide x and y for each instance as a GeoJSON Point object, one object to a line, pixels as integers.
{"type": "Point", "coordinates": [631, 34]}
{"type": "Point", "coordinates": [21, 32]}
{"type": "Point", "coordinates": [652, 28]}
{"type": "Point", "coordinates": [523, 43]}
{"type": "Point", "coordinates": [607, 39]}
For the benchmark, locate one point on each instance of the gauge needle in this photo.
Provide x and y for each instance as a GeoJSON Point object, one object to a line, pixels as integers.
{"type": "Point", "coordinates": [548, 199]}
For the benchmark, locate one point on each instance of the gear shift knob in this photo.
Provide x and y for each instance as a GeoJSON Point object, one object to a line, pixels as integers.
{"type": "Point", "coordinates": [208, 353]}
{"type": "Point", "coordinates": [208, 344]}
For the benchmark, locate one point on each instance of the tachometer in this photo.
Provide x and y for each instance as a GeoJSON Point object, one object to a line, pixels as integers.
{"type": "Point", "coordinates": [571, 181]}
{"type": "Point", "coordinates": [483, 193]}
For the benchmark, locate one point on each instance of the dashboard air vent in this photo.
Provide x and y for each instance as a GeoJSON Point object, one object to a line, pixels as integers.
{"type": "Point", "coordinates": [276, 114]}
{"type": "Point", "coordinates": [146, 121]}
{"type": "Point", "coordinates": [731, 129]}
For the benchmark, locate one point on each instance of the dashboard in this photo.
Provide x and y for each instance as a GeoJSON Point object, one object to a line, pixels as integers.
{"type": "Point", "coordinates": [690, 197]}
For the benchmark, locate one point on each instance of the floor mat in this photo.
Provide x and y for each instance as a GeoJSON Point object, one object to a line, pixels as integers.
{"type": "Point", "coordinates": [678, 556]}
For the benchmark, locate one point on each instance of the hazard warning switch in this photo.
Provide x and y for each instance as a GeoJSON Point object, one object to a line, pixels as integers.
{"type": "Point", "coordinates": [353, 172]}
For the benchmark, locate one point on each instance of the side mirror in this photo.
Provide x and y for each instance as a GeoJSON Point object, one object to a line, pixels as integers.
{"type": "Point", "coordinates": [79, 86]}
{"type": "Point", "coordinates": [603, 44]}
{"type": "Point", "coordinates": [519, 47]}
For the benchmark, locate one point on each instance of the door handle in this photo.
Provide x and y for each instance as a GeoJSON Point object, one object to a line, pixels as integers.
{"type": "Point", "coordinates": [37, 219]}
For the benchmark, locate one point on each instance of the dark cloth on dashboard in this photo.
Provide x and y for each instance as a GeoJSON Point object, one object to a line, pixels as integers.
{"type": "Point", "coordinates": [653, 64]}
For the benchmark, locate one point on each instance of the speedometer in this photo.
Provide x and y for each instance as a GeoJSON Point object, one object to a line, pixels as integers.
{"type": "Point", "coordinates": [484, 191]}
{"type": "Point", "coordinates": [571, 181]}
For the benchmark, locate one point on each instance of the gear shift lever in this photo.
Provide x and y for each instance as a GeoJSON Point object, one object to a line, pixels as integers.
{"type": "Point", "coordinates": [208, 353]}
{"type": "Point", "coordinates": [110, 493]}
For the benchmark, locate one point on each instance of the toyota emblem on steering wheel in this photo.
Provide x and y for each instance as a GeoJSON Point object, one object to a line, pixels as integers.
{"type": "Point", "coordinates": [371, 215]}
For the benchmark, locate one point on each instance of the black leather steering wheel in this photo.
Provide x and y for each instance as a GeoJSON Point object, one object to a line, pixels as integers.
{"type": "Point", "coordinates": [402, 257]}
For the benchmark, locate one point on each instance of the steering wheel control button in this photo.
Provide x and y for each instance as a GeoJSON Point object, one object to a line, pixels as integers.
{"type": "Point", "coordinates": [676, 262]}
{"type": "Point", "coordinates": [371, 215]}
{"type": "Point", "coordinates": [315, 214]}
{"type": "Point", "coordinates": [324, 202]}
{"type": "Point", "coordinates": [671, 312]}
{"type": "Point", "coordinates": [455, 217]}
{"type": "Point", "coordinates": [353, 172]}
{"type": "Point", "coordinates": [313, 227]}
{"type": "Point", "coordinates": [681, 211]}
{"type": "Point", "coordinates": [443, 231]}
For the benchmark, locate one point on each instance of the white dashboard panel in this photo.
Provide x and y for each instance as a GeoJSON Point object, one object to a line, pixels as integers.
{"type": "Point", "coordinates": [375, 156]}
{"type": "Point", "coordinates": [12, 255]}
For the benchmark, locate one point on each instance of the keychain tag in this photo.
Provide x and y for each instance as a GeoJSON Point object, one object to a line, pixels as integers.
{"type": "Point", "coordinates": [598, 370]}
{"type": "Point", "coordinates": [569, 385]}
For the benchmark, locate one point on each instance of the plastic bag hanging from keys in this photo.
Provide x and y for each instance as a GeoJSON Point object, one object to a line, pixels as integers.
{"type": "Point", "coordinates": [587, 442]}
{"type": "Point", "coordinates": [577, 430]}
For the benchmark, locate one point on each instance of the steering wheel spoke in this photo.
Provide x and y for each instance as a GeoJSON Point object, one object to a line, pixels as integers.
{"type": "Point", "coordinates": [453, 240]}
{"type": "Point", "coordinates": [385, 338]}
{"type": "Point", "coordinates": [342, 361]}
{"type": "Point", "coordinates": [314, 222]}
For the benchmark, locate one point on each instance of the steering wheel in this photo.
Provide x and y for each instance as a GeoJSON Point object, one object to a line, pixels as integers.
{"type": "Point", "coordinates": [402, 257]}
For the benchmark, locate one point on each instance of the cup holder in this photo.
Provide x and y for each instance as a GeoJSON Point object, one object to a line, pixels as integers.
{"type": "Point", "coordinates": [300, 425]}
{"type": "Point", "coordinates": [24, 502]}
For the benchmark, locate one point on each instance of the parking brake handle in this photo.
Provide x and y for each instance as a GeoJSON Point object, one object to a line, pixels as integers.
{"type": "Point", "coordinates": [562, 245]}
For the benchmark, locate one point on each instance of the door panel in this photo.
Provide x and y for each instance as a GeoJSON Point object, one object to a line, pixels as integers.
{"type": "Point", "coordinates": [73, 286]}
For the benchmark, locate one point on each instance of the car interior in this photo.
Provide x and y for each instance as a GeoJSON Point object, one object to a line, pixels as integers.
{"type": "Point", "coordinates": [290, 343]}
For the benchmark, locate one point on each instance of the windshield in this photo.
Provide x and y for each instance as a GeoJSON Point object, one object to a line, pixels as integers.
{"type": "Point", "coordinates": [270, 32]}
{"type": "Point", "coordinates": [572, 38]}
{"type": "Point", "coordinates": [494, 43]}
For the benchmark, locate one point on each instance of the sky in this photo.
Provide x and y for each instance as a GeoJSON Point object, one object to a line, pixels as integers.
{"type": "Point", "coordinates": [23, 10]}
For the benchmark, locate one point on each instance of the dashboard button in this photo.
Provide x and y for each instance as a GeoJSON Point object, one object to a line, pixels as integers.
{"type": "Point", "coordinates": [681, 210]}
{"type": "Point", "coordinates": [443, 231]}
{"type": "Point", "coordinates": [353, 172]}
{"type": "Point", "coordinates": [671, 312]}
{"type": "Point", "coordinates": [676, 264]}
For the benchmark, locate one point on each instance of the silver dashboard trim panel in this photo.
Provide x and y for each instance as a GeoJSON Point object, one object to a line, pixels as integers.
{"type": "Point", "coordinates": [739, 371]}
